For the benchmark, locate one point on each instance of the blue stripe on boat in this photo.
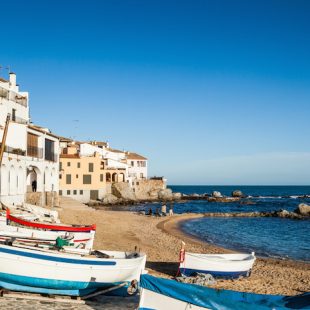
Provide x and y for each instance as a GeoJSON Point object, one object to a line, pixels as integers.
{"type": "Point", "coordinates": [52, 286]}
{"type": "Point", "coordinates": [220, 274]}
{"type": "Point", "coordinates": [57, 259]}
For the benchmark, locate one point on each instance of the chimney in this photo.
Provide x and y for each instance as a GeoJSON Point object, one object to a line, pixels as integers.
{"type": "Point", "coordinates": [12, 79]}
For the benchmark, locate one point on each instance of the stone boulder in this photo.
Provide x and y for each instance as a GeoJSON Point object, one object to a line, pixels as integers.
{"type": "Point", "coordinates": [165, 194]}
{"type": "Point", "coordinates": [177, 196]}
{"type": "Point", "coordinates": [110, 199]}
{"type": "Point", "coordinates": [216, 194]}
{"type": "Point", "coordinates": [303, 209]}
{"type": "Point", "coordinates": [153, 194]}
{"type": "Point", "coordinates": [237, 193]}
{"type": "Point", "coordinates": [123, 190]}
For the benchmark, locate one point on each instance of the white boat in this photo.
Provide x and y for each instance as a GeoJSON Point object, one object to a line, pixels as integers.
{"type": "Point", "coordinates": [164, 294]}
{"type": "Point", "coordinates": [80, 239]}
{"type": "Point", "coordinates": [49, 272]}
{"type": "Point", "coordinates": [218, 265]}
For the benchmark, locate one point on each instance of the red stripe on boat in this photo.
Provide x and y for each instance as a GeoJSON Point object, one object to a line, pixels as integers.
{"type": "Point", "coordinates": [49, 226]}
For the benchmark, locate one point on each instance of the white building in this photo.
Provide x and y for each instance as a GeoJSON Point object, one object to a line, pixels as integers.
{"type": "Point", "coordinates": [31, 152]}
{"type": "Point", "coordinates": [137, 166]}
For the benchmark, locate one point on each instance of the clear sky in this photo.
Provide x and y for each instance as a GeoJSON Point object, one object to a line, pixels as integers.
{"type": "Point", "coordinates": [212, 92]}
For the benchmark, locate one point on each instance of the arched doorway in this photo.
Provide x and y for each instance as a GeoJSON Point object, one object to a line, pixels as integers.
{"type": "Point", "coordinates": [114, 177]}
{"type": "Point", "coordinates": [108, 177]}
{"type": "Point", "coordinates": [4, 180]}
{"type": "Point", "coordinates": [12, 181]}
{"type": "Point", "coordinates": [33, 178]}
{"type": "Point", "coordinates": [121, 177]}
{"type": "Point", "coordinates": [20, 181]}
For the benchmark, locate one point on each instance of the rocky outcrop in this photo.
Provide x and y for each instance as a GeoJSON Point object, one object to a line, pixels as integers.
{"type": "Point", "coordinates": [165, 194]}
{"type": "Point", "coordinates": [237, 193]}
{"type": "Point", "coordinates": [176, 196]}
{"type": "Point", "coordinates": [123, 190]}
{"type": "Point", "coordinates": [216, 194]}
{"type": "Point", "coordinates": [223, 199]}
{"type": "Point", "coordinates": [110, 199]}
{"type": "Point", "coordinates": [279, 213]}
{"type": "Point", "coordinates": [303, 209]}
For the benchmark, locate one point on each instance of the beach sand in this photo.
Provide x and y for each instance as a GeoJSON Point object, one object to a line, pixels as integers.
{"type": "Point", "coordinates": [160, 239]}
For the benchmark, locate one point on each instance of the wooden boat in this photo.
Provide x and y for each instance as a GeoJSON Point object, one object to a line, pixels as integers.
{"type": "Point", "coordinates": [164, 294]}
{"type": "Point", "coordinates": [80, 239]}
{"type": "Point", "coordinates": [51, 272]}
{"type": "Point", "coordinates": [46, 226]}
{"type": "Point", "coordinates": [218, 265]}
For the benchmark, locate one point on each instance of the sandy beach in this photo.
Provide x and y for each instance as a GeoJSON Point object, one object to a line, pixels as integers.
{"type": "Point", "coordinates": [160, 239]}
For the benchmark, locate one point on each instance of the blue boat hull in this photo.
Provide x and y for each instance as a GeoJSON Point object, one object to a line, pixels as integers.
{"type": "Point", "coordinates": [55, 287]}
{"type": "Point", "coordinates": [217, 274]}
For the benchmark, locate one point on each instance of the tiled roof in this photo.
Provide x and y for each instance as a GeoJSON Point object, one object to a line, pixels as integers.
{"type": "Point", "coordinates": [130, 155]}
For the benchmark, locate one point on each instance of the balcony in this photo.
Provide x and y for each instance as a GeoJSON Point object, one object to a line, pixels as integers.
{"type": "Point", "coordinates": [19, 120]}
{"type": "Point", "coordinates": [10, 95]}
{"type": "Point", "coordinates": [33, 151]}
{"type": "Point", "coordinates": [13, 150]}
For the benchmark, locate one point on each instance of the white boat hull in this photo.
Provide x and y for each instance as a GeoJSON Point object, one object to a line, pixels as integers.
{"type": "Point", "coordinates": [38, 271]}
{"type": "Point", "coordinates": [219, 265]}
{"type": "Point", "coordinates": [85, 239]}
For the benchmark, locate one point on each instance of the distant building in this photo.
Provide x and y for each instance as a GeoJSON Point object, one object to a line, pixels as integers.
{"type": "Point", "coordinates": [137, 166]}
{"type": "Point", "coordinates": [88, 169]}
{"type": "Point", "coordinates": [29, 170]}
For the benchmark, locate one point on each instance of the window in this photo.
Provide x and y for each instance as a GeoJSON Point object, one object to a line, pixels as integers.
{"type": "Point", "coordinates": [137, 183]}
{"type": "Point", "coordinates": [77, 176]}
{"type": "Point", "coordinates": [132, 163]}
{"type": "Point", "coordinates": [74, 192]}
{"type": "Point", "coordinates": [91, 167]}
{"type": "Point", "coordinates": [102, 165]}
{"type": "Point", "coordinates": [68, 178]}
{"type": "Point", "coordinates": [68, 164]}
{"type": "Point", "coordinates": [60, 193]}
{"type": "Point", "coordinates": [141, 175]}
{"type": "Point", "coordinates": [49, 150]}
{"type": "Point", "coordinates": [101, 177]}
{"type": "Point", "coordinates": [13, 115]}
{"type": "Point", "coordinates": [86, 179]}
{"type": "Point", "coordinates": [79, 165]}
{"type": "Point", "coordinates": [60, 176]}
{"type": "Point", "coordinates": [81, 192]}
{"type": "Point", "coordinates": [68, 192]}
{"type": "Point", "coordinates": [60, 166]}
{"type": "Point", "coordinates": [32, 146]}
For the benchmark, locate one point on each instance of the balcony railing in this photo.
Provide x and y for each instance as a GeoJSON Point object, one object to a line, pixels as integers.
{"type": "Point", "coordinates": [33, 151]}
{"type": "Point", "coordinates": [19, 120]}
{"type": "Point", "coordinates": [14, 150]}
{"type": "Point", "coordinates": [10, 95]}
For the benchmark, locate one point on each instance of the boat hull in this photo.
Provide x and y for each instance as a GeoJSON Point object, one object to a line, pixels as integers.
{"type": "Point", "coordinates": [218, 265]}
{"type": "Point", "coordinates": [40, 272]}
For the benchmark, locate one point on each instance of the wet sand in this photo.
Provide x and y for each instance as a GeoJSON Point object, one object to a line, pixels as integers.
{"type": "Point", "coordinates": [160, 239]}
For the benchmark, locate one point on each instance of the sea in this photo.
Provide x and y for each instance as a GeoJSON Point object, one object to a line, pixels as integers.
{"type": "Point", "coordinates": [267, 237]}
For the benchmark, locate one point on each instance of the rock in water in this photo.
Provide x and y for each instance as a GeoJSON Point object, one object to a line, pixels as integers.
{"type": "Point", "coordinates": [177, 196]}
{"type": "Point", "coordinates": [216, 194]}
{"type": "Point", "coordinates": [237, 193]}
{"type": "Point", "coordinates": [123, 190]}
{"type": "Point", "coordinates": [303, 209]}
{"type": "Point", "coordinates": [165, 194]}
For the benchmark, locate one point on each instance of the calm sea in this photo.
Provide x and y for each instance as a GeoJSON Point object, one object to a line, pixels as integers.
{"type": "Point", "coordinates": [273, 237]}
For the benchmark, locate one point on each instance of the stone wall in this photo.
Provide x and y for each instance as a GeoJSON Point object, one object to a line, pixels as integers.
{"type": "Point", "coordinates": [35, 198]}
{"type": "Point", "coordinates": [148, 189]}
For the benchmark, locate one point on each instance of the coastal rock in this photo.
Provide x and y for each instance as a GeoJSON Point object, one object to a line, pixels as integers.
{"type": "Point", "coordinates": [195, 195]}
{"type": "Point", "coordinates": [153, 194]}
{"type": "Point", "coordinates": [177, 196]}
{"type": "Point", "coordinates": [110, 199]}
{"type": "Point", "coordinates": [216, 194]}
{"type": "Point", "coordinates": [223, 199]}
{"type": "Point", "coordinates": [165, 194]}
{"type": "Point", "coordinates": [303, 209]}
{"type": "Point", "coordinates": [123, 190]}
{"type": "Point", "coordinates": [237, 193]}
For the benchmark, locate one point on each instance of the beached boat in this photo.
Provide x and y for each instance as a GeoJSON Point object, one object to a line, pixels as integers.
{"type": "Point", "coordinates": [51, 272]}
{"type": "Point", "coordinates": [46, 226]}
{"type": "Point", "coordinates": [13, 234]}
{"type": "Point", "coordinates": [218, 265]}
{"type": "Point", "coordinates": [164, 294]}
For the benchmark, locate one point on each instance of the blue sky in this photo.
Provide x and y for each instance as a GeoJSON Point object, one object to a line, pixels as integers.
{"type": "Point", "coordinates": [212, 92]}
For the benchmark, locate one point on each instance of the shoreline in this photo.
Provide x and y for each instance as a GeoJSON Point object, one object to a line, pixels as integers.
{"type": "Point", "coordinates": [160, 238]}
